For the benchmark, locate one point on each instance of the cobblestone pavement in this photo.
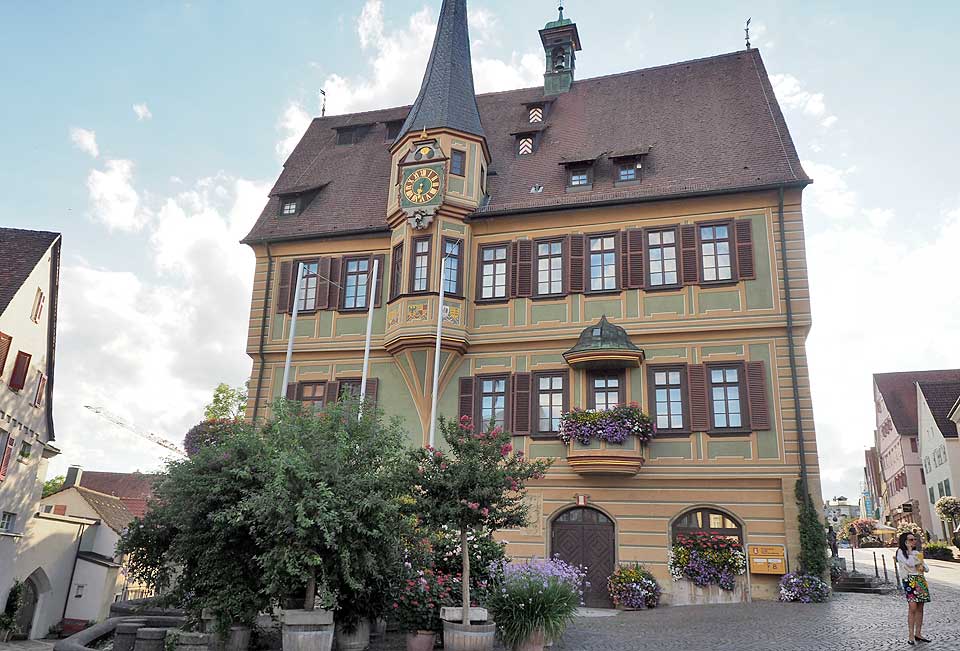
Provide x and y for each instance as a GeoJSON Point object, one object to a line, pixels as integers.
{"type": "Point", "coordinates": [851, 622]}
{"type": "Point", "coordinates": [27, 645]}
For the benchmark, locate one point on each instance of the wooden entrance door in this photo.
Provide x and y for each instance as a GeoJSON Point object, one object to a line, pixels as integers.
{"type": "Point", "coordinates": [584, 536]}
{"type": "Point", "coordinates": [24, 616]}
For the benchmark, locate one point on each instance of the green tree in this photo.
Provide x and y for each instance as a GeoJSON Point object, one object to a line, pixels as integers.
{"type": "Point", "coordinates": [479, 483]}
{"type": "Point", "coordinates": [52, 485]}
{"type": "Point", "coordinates": [228, 403]}
{"type": "Point", "coordinates": [813, 539]}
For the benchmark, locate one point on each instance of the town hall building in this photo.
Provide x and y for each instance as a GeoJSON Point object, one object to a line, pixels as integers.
{"type": "Point", "coordinates": [635, 237]}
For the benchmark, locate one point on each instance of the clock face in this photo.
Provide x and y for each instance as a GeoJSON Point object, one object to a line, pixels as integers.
{"type": "Point", "coordinates": [422, 186]}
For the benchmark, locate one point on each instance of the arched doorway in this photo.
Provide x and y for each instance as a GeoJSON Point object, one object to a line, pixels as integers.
{"type": "Point", "coordinates": [28, 607]}
{"type": "Point", "coordinates": [585, 536]}
{"type": "Point", "coordinates": [707, 520]}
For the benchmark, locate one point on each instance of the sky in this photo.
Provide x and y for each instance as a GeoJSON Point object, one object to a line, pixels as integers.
{"type": "Point", "coordinates": [149, 134]}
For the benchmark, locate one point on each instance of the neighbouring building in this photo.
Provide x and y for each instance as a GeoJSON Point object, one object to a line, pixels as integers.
{"type": "Point", "coordinates": [871, 499]}
{"type": "Point", "coordinates": [29, 288]}
{"type": "Point", "coordinates": [630, 238]}
{"type": "Point", "coordinates": [939, 447]}
{"type": "Point", "coordinates": [134, 489]}
{"type": "Point", "coordinates": [906, 498]}
{"type": "Point", "coordinates": [836, 510]}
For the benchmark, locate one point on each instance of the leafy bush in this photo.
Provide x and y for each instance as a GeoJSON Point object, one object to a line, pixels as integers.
{"type": "Point", "coordinates": [707, 558]}
{"type": "Point", "coordinates": [948, 508]}
{"type": "Point", "coordinates": [419, 599]}
{"type": "Point", "coordinates": [813, 539]}
{"type": "Point", "coordinates": [446, 554]}
{"type": "Point", "coordinates": [535, 596]}
{"type": "Point", "coordinates": [805, 588]}
{"type": "Point", "coordinates": [8, 617]}
{"type": "Point", "coordinates": [631, 586]}
{"type": "Point", "coordinates": [910, 527]}
{"type": "Point", "coordinates": [613, 426]}
{"type": "Point", "coordinates": [207, 433]}
{"type": "Point", "coordinates": [939, 551]}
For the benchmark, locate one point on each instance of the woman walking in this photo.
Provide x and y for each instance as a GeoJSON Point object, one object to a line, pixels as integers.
{"type": "Point", "coordinates": [912, 567]}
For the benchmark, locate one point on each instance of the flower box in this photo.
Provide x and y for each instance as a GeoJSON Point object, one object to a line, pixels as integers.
{"type": "Point", "coordinates": [605, 458]}
{"type": "Point", "coordinates": [606, 442]}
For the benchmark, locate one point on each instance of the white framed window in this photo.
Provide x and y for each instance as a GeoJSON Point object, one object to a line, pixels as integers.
{"type": "Point", "coordinates": [668, 399]}
{"type": "Point", "coordinates": [308, 286]}
{"type": "Point", "coordinates": [421, 264]}
{"type": "Point", "coordinates": [579, 178]}
{"type": "Point", "coordinates": [603, 263]}
{"type": "Point", "coordinates": [493, 272]}
{"type": "Point", "coordinates": [549, 268]}
{"type": "Point", "coordinates": [725, 398]}
{"type": "Point", "coordinates": [7, 521]}
{"type": "Point", "coordinates": [451, 272]}
{"type": "Point", "coordinates": [38, 302]}
{"type": "Point", "coordinates": [605, 391]}
{"type": "Point", "coordinates": [356, 279]}
{"type": "Point", "coordinates": [628, 172]}
{"type": "Point", "coordinates": [549, 402]}
{"type": "Point", "coordinates": [662, 258]}
{"type": "Point", "coordinates": [493, 401]}
{"type": "Point", "coordinates": [715, 253]}
{"type": "Point", "coordinates": [288, 207]}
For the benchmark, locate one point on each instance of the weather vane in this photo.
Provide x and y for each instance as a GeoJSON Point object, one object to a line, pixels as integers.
{"type": "Point", "coordinates": [747, 32]}
{"type": "Point", "coordinates": [323, 109]}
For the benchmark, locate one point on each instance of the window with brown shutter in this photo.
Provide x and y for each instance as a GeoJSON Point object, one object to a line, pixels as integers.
{"type": "Point", "coordinates": [522, 264]}
{"type": "Point", "coordinates": [41, 389]}
{"type": "Point", "coordinates": [333, 295]}
{"type": "Point", "coordinates": [521, 403]}
{"type": "Point", "coordinates": [465, 403]}
{"type": "Point", "coordinates": [356, 284]}
{"type": "Point", "coordinates": [323, 284]}
{"type": "Point", "coordinates": [284, 292]}
{"type": "Point", "coordinates": [551, 399]}
{"type": "Point", "coordinates": [669, 398]}
{"type": "Point", "coordinates": [494, 404]}
{"type": "Point", "coordinates": [381, 260]}
{"type": "Point", "coordinates": [662, 253]}
{"type": "Point", "coordinates": [760, 420]}
{"type": "Point", "coordinates": [20, 368]}
{"type": "Point", "coordinates": [743, 231]}
{"type": "Point", "coordinates": [5, 341]}
{"type": "Point", "coordinates": [699, 399]}
{"type": "Point", "coordinates": [549, 279]}
{"type": "Point", "coordinates": [633, 259]}
{"type": "Point", "coordinates": [331, 393]}
{"type": "Point", "coordinates": [493, 280]}
{"type": "Point", "coordinates": [601, 262]}
{"type": "Point", "coordinates": [717, 255]}
{"type": "Point", "coordinates": [309, 284]}
{"type": "Point", "coordinates": [396, 270]}
{"type": "Point", "coordinates": [576, 272]}
{"type": "Point", "coordinates": [6, 454]}
{"type": "Point", "coordinates": [729, 412]}
{"type": "Point", "coordinates": [688, 254]}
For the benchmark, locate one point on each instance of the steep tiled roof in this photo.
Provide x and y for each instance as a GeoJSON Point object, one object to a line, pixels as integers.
{"type": "Point", "coordinates": [133, 488]}
{"type": "Point", "coordinates": [20, 251]}
{"type": "Point", "coordinates": [712, 125]}
{"type": "Point", "coordinates": [900, 394]}
{"type": "Point", "coordinates": [111, 510]}
{"type": "Point", "coordinates": [940, 397]}
{"type": "Point", "coordinates": [447, 97]}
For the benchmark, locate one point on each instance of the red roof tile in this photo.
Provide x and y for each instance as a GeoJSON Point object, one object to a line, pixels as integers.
{"type": "Point", "coordinates": [133, 488]}
{"type": "Point", "coordinates": [899, 393]}
{"type": "Point", "coordinates": [712, 125]}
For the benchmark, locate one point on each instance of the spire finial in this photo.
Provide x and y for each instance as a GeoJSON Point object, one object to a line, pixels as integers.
{"type": "Point", "coordinates": [747, 32]}
{"type": "Point", "coordinates": [561, 11]}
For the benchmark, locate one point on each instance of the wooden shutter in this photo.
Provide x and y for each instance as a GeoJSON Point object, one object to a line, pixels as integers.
{"type": "Point", "coordinates": [524, 268]}
{"type": "Point", "coordinates": [699, 397]}
{"type": "Point", "coordinates": [465, 403]}
{"type": "Point", "coordinates": [59, 509]}
{"type": "Point", "coordinates": [690, 261]}
{"type": "Point", "coordinates": [331, 393]}
{"type": "Point", "coordinates": [20, 368]}
{"type": "Point", "coordinates": [7, 454]}
{"type": "Point", "coordinates": [333, 295]}
{"type": "Point", "coordinates": [633, 260]}
{"type": "Point", "coordinates": [291, 391]}
{"type": "Point", "coordinates": [284, 291]}
{"type": "Point", "coordinates": [371, 394]}
{"type": "Point", "coordinates": [396, 269]}
{"type": "Point", "coordinates": [522, 388]}
{"type": "Point", "coordinates": [577, 270]}
{"type": "Point", "coordinates": [757, 396]}
{"type": "Point", "coordinates": [743, 232]}
{"type": "Point", "coordinates": [41, 387]}
{"type": "Point", "coordinates": [381, 259]}
{"type": "Point", "coordinates": [323, 284]}
{"type": "Point", "coordinates": [5, 341]}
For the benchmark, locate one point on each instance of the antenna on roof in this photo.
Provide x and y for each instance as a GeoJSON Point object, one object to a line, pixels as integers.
{"type": "Point", "coordinates": [323, 109]}
{"type": "Point", "coordinates": [747, 32]}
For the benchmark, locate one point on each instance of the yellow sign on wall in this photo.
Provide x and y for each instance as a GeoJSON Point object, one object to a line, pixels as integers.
{"type": "Point", "coordinates": [767, 559]}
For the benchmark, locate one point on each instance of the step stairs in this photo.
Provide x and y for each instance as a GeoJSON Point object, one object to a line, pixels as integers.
{"type": "Point", "coordinates": [861, 584]}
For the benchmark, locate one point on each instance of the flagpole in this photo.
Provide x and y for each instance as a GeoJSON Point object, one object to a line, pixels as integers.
{"type": "Point", "coordinates": [366, 346]}
{"type": "Point", "coordinates": [436, 354]}
{"type": "Point", "coordinates": [293, 327]}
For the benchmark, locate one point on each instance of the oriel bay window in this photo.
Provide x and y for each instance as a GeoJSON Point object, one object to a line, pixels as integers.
{"type": "Point", "coordinates": [605, 391]}
{"type": "Point", "coordinates": [493, 272]}
{"type": "Point", "coordinates": [420, 267]}
{"type": "Point", "coordinates": [356, 278]}
{"type": "Point", "coordinates": [603, 263]}
{"type": "Point", "coordinates": [551, 401]}
{"type": "Point", "coordinates": [668, 397]}
{"type": "Point", "coordinates": [452, 266]}
{"type": "Point", "coordinates": [549, 268]}
{"type": "Point", "coordinates": [715, 257]}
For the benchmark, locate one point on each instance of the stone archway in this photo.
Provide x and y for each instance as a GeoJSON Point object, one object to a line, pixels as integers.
{"type": "Point", "coordinates": [36, 592]}
{"type": "Point", "coordinates": [586, 536]}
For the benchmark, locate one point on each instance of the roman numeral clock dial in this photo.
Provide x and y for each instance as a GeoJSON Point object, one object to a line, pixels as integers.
{"type": "Point", "coordinates": [421, 186]}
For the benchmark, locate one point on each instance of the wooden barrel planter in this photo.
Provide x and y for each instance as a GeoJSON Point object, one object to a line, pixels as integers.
{"type": "Point", "coordinates": [469, 637]}
{"type": "Point", "coordinates": [307, 630]}
{"type": "Point", "coordinates": [126, 634]}
{"type": "Point", "coordinates": [150, 639]}
{"type": "Point", "coordinates": [357, 640]}
{"type": "Point", "coordinates": [238, 639]}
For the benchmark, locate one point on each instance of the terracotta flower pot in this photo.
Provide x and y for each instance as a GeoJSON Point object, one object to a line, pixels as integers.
{"type": "Point", "coordinates": [533, 643]}
{"type": "Point", "coordinates": [421, 641]}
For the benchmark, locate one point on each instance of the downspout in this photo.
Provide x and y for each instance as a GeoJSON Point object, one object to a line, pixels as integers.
{"type": "Point", "coordinates": [263, 332]}
{"type": "Point", "coordinates": [790, 345]}
{"type": "Point", "coordinates": [76, 557]}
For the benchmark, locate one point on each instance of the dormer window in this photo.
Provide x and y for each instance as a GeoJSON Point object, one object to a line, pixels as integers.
{"type": "Point", "coordinates": [536, 114]}
{"type": "Point", "coordinates": [629, 165]}
{"type": "Point", "coordinates": [628, 172]}
{"type": "Point", "coordinates": [393, 129]}
{"type": "Point", "coordinates": [579, 177]}
{"type": "Point", "coordinates": [288, 207]}
{"type": "Point", "coordinates": [352, 135]}
{"type": "Point", "coordinates": [525, 145]}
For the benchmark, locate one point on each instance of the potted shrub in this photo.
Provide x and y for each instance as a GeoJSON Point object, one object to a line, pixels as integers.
{"type": "Point", "coordinates": [632, 587]}
{"type": "Point", "coordinates": [533, 602]}
{"type": "Point", "coordinates": [419, 598]}
{"type": "Point", "coordinates": [8, 617]}
{"type": "Point", "coordinates": [478, 483]}
{"type": "Point", "coordinates": [803, 588]}
{"type": "Point", "coordinates": [706, 559]}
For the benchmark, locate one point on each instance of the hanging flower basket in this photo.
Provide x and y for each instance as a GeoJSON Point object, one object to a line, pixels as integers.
{"type": "Point", "coordinates": [613, 426]}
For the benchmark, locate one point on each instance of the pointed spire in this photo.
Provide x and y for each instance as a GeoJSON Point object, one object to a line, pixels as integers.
{"type": "Point", "coordinates": [447, 97]}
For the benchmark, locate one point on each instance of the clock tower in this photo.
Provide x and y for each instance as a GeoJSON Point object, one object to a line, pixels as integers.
{"type": "Point", "coordinates": [440, 161]}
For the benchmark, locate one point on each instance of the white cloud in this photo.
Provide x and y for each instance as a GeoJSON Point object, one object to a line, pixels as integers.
{"type": "Point", "coordinates": [142, 111]}
{"type": "Point", "coordinates": [830, 194]}
{"type": "Point", "coordinates": [398, 57]}
{"type": "Point", "coordinates": [792, 96]}
{"type": "Point", "coordinates": [113, 200]}
{"type": "Point", "coordinates": [85, 140]}
{"type": "Point", "coordinates": [292, 125]}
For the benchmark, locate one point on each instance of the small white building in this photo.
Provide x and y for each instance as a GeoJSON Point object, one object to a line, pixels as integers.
{"type": "Point", "coordinates": [939, 447]}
